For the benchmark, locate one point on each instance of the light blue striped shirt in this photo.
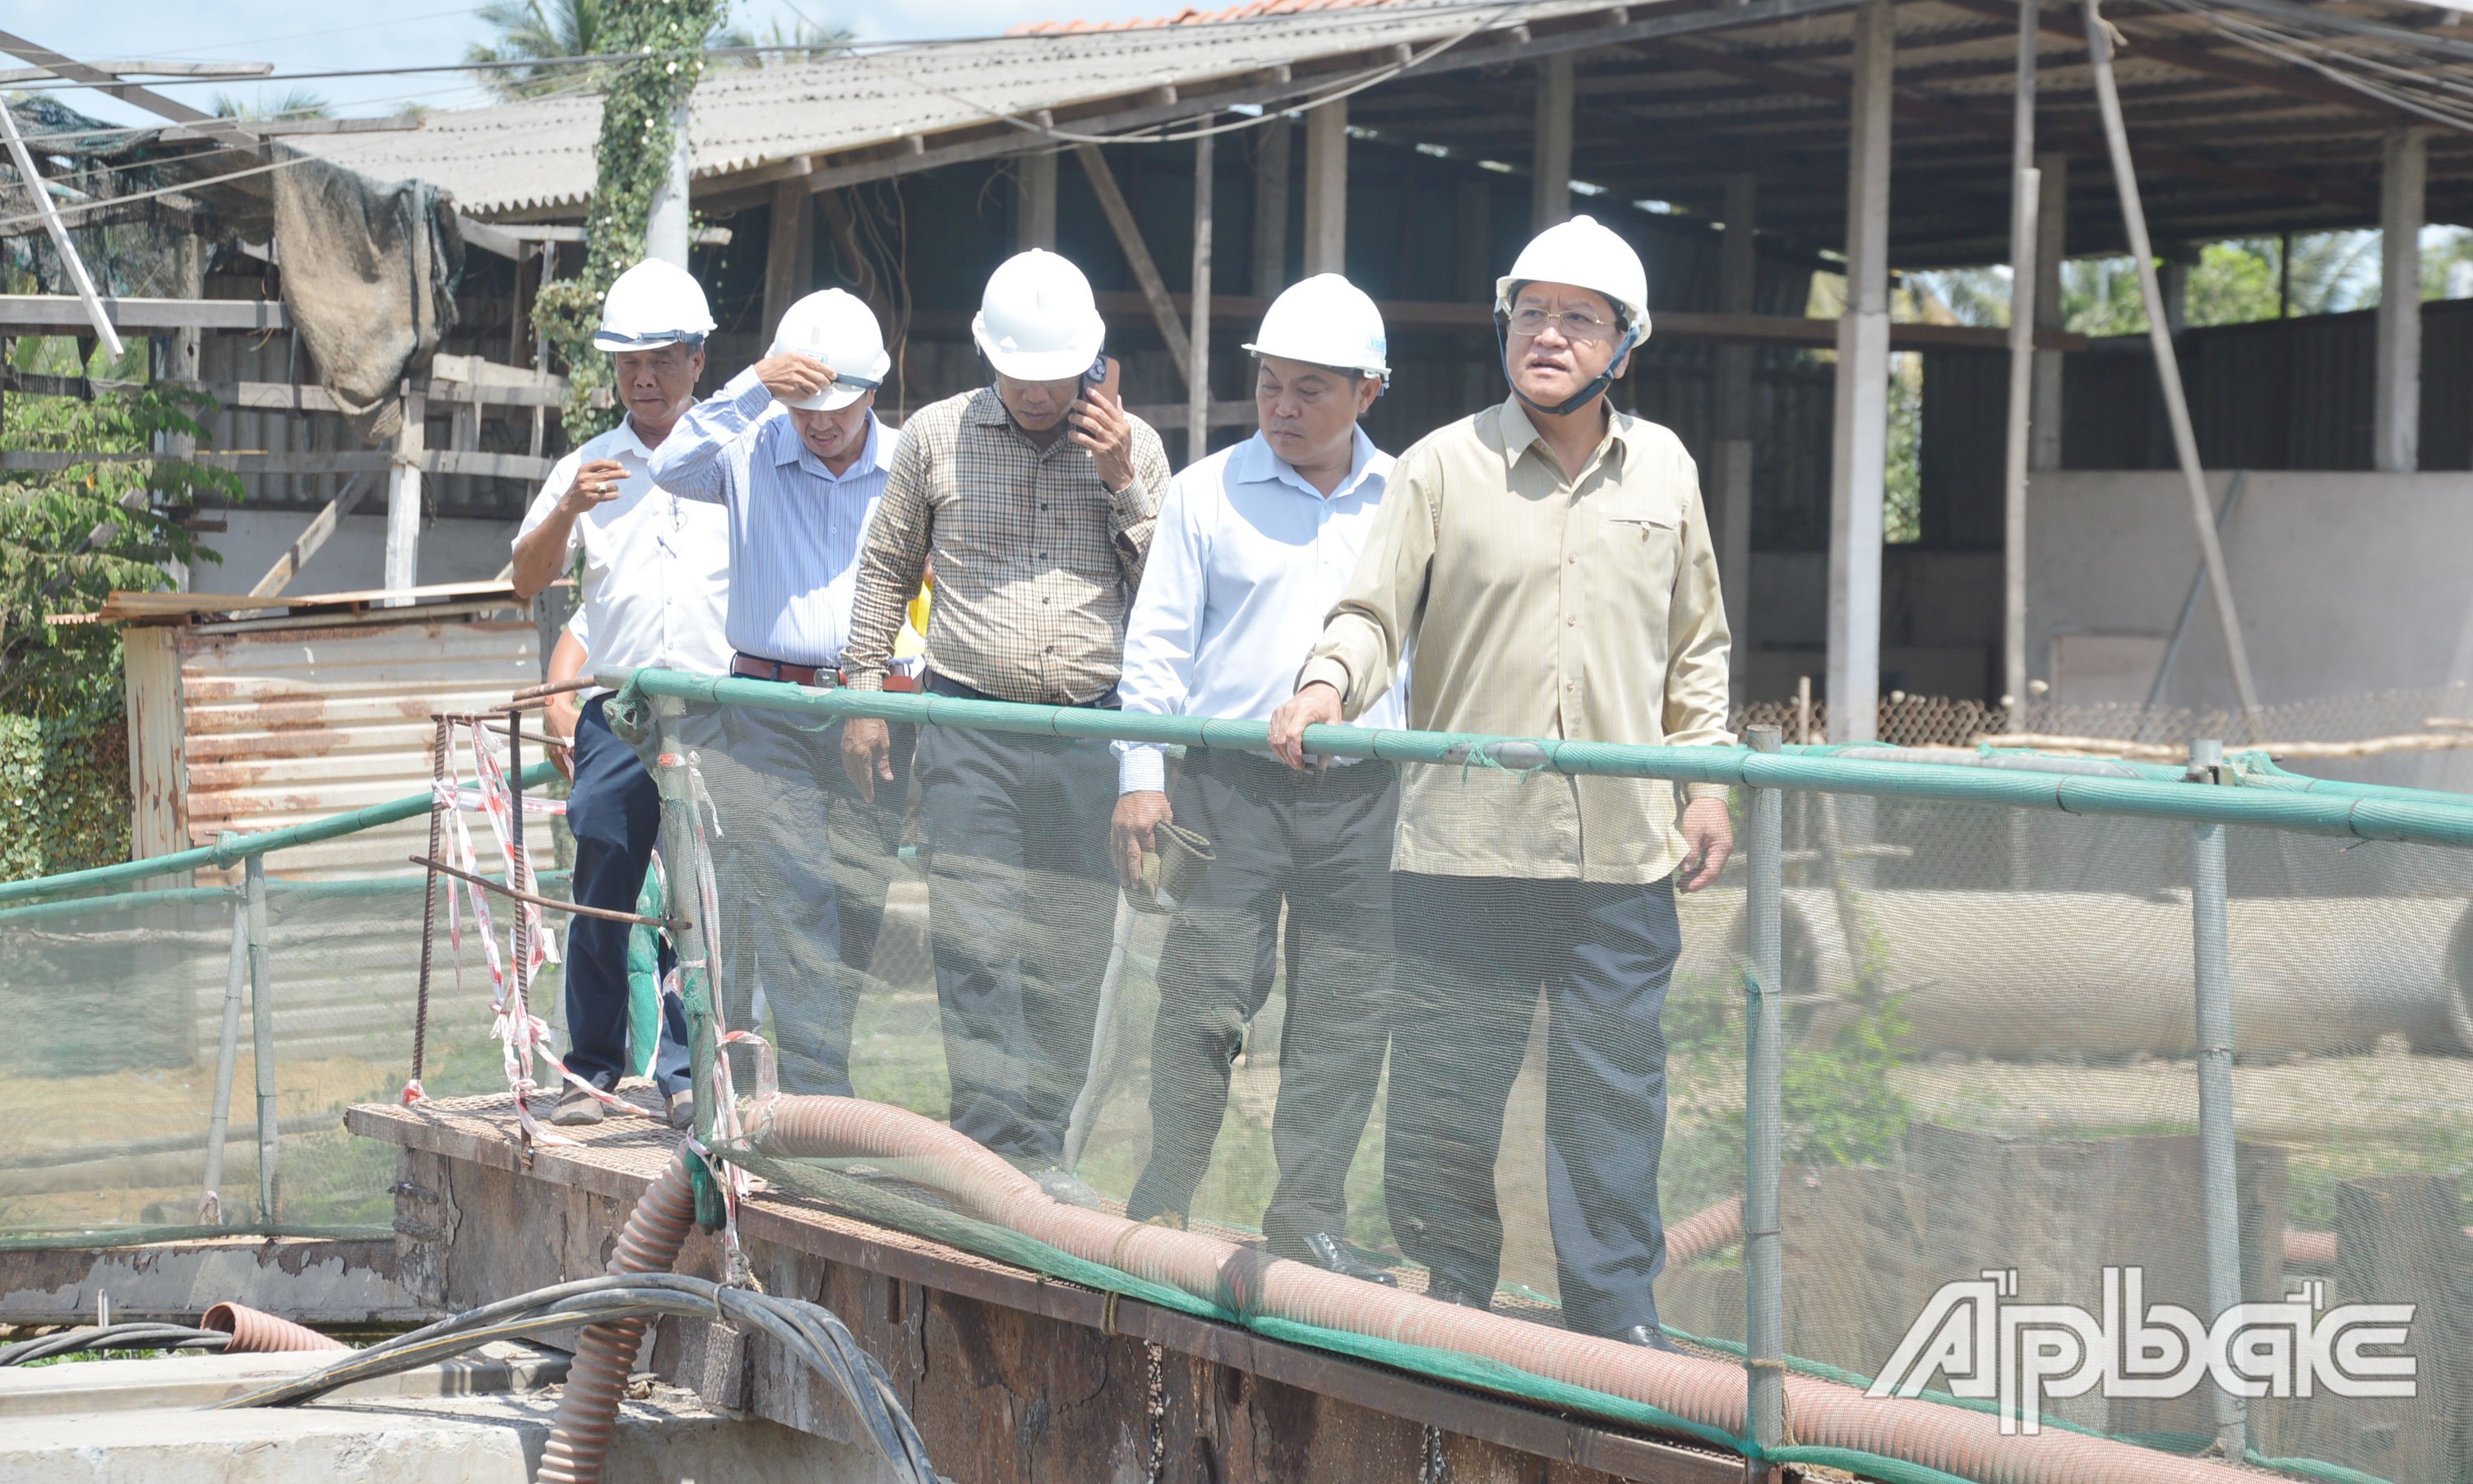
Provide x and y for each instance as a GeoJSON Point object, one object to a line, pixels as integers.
{"type": "Point", "coordinates": [795, 527]}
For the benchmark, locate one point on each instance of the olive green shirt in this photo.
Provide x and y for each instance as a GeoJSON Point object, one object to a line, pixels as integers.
{"type": "Point", "coordinates": [1535, 606]}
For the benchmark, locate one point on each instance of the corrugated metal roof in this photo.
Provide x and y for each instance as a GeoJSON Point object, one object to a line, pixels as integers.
{"type": "Point", "coordinates": [536, 155]}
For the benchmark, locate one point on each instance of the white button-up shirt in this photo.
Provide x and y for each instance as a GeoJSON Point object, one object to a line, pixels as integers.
{"type": "Point", "coordinates": [794, 526]}
{"type": "Point", "coordinates": [655, 567]}
{"type": "Point", "coordinates": [1246, 560]}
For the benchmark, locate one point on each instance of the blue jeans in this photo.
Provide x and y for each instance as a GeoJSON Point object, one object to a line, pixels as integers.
{"type": "Point", "coordinates": [614, 813]}
{"type": "Point", "coordinates": [1475, 954]}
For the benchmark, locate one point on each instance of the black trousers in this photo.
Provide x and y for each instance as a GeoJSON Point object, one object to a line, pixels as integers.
{"type": "Point", "coordinates": [1474, 955]}
{"type": "Point", "coordinates": [803, 866]}
{"type": "Point", "coordinates": [1021, 903]}
{"type": "Point", "coordinates": [614, 813]}
{"type": "Point", "coordinates": [1318, 844]}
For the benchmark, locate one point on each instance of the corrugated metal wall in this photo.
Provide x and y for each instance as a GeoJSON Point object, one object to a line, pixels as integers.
{"type": "Point", "coordinates": [286, 724]}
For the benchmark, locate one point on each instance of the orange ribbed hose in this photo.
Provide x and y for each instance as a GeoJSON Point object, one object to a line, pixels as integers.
{"type": "Point", "coordinates": [588, 1412]}
{"type": "Point", "coordinates": [256, 1333]}
{"type": "Point", "coordinates": [1708, 1392]}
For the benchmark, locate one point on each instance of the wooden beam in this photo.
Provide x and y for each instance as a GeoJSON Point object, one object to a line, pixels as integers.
{"type": "Point", "coordinates": [788, 252]}
{"type": "Point", "coordinates": [305, 545]}
{"type": "Point", "coordinates": [1129, 238]}
{"type": "Point", "coordinates": [221, 131]}
{"type": "Point", "coordinates": [1034, 223]}
{"type": "Point", "coordinates": [1271, 175]}
{"type": "Point", "coordinates": [61, 314]}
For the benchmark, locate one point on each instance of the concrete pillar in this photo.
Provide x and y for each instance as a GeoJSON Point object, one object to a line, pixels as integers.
{"type": "Point", "coordinates": [1034, 210]}
{"type": "Point", "coordinates": [403, 495]}
{"type": "Point", "coordinates": [1271, 208]}
{"type": "Point", "coordinates": [1327, 188]}
{"type": "Point", "coordinates": [665, 227]}
{"type": "Point", "coordinates": [1860, 433]}
{"type": "Point", "coordinates": [2395, 417]}
{"type": "Point", "coordinates": [1737, 270]}
{"type": "Point", "coordinates": [1552, 166]}
{"type": "Point", "coordinates": [2051, 241]}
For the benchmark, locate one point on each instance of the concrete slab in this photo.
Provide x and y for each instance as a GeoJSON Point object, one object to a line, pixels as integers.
{"type": "Point", "coordinates": [169, 1382]}
{"type": "Point", "coordinates": [665, 1437]}
{"type": "Point", "coordinates": [311, 1280]}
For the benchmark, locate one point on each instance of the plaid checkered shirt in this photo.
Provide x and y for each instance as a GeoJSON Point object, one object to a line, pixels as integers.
{"type": "Point", "coordinates": [1036, 560]}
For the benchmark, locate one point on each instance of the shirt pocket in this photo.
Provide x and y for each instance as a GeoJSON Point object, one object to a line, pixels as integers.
{"type": "Point", "coordinates": [1638, 543]}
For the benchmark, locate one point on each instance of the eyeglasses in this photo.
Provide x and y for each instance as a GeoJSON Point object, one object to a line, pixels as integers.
{"type": "Point", "coordinates": [1572, 324]}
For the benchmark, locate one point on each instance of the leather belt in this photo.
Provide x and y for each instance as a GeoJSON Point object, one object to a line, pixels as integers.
{"type": "Point", "coordinates": [755, 669]}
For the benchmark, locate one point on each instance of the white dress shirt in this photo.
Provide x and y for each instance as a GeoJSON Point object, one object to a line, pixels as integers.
{"type": "Point", "coordinates": [794, 526]}
{"type": "Point", "coordinates": [655, 567]}
{"type": "Point", "coordinates": [1246, 560]}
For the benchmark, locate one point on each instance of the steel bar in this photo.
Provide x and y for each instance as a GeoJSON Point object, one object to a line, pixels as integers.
{"type": "Point", "coordinates": [261, 1017]}
{"type": "Point", "coordinates": [210, 1203]}
{"type": "Point", "coordinates": [2168, 363]}
{"type": "Point", "coordinates": [519, 878]}
{"type": "Point", "coordinates": [1764, 1117]}
{"type": "Point", "coordinates": [2219, 1189]}
{"type": "Point", "coordinates": [544, 692]}
{"type": "Point", "coordinates": [442, 738]}
{"type": "Point", "coordinates": [551, 903]}
{"type": "Point", "coordinates": [682, 867]}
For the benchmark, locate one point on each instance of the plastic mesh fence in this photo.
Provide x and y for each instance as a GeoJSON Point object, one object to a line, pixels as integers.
{"type": "Point", "coordinates": [1526, 1090]}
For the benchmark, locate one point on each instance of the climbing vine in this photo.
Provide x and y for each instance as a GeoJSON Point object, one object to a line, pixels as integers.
{"type": "Point", "coordinates": [633, 156]}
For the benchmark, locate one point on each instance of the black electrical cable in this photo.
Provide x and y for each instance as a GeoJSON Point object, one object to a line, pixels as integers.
{"type": "Point", "coordinates": [128, 1336]}
{"type": "Point", "coordinates": [811, 1332]}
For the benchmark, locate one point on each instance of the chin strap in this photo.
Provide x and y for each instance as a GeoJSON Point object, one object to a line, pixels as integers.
{"type": "Point", "coordinates": [1577, 399]}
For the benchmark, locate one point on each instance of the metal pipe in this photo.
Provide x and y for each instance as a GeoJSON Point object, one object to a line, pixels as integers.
{"type": "Point", "coordinates": [2167, 365]}
{"type": "Point", "coordinates": [2219, 1192]}
{"type": "Point", "coordinates": [2027, 187]}
{"type": "Point", "coordinates": [683, 866]}
{"type": "Point", "coordinates": [1764, 1120]}
{"type": "Point", "coordinates": [521, 939]}
{"type": "Point", "coordinates": [210, 1203]}
{"type": "Point", "coordinates": [261, 1017]}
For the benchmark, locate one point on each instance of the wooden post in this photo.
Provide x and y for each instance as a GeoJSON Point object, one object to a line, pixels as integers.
{"type": "Point", "coordinates": [1271, 151]}
{"type": "Point", "coordinates": [2395, 420]}
{"type": "Point", "coordinates": [1137, 255]}
{"type": "Point", "coordinates": [158, 802]}
{"type": "Point", "coordinates": [2052, 247]}
{"type": "Point", "coordinates": [1551, 167]}
{"type": "Point", "coordinates": [1859, 462]}
{"type": "Point", "coordinates": [788, 249]}
{"type": "Point", "coordinates": [1327, 188]}
{"type": "Point", "coordinates": [403, 495]}
{"type": "Point", "coordinates": [2026, 195]}
{"type": "Point", "coordinates": [2168, 363]}
{"type": "Point", "coordinates": [1034, 220]}
{"type": "Point", "coordinates": [1197, 378]}
{"type": "Point", "coordinates": [1738, 282]}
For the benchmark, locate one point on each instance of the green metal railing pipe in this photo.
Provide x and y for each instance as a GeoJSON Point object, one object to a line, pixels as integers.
{"type": "Point", "coordinates": [234, 848]}
{"type": "Point", "coordinates": [2418, 821]}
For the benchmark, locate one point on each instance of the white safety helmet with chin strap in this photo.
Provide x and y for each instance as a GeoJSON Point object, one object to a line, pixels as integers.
{"type": "Point", "coordinates": [1588, 256]}
{"type": "Point", "coordinates": [1326, 321]}
{"type": "Point", "coordinates": [1037, 322]}
{"type": "Point", "coordinates": [837, 328]}
{"type": "Point", "coordinates": [652, 304]}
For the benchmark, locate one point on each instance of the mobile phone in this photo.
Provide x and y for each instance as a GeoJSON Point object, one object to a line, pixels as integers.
{"type": "Point", "coordinates": [1105, 375]}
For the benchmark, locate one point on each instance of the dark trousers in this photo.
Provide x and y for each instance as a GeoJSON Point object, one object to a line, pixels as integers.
{"type": "Point", "coordinates": [1473, 953]}
{"type": "Point", "coordinates": [803, 866]}
{"type": "Point", "coordinates": [1021, 902]}
{"type": "Point", "coordinates": [614, 813]}
{"type": "Point", "coordinates": [1320, 844]}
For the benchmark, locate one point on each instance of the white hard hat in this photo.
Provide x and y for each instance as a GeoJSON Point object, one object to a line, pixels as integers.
{"type": "Point", "coordinates": [1037, 320]}
{"type": "Point", "coordinates": [1326, 321]}
{"type": "Point", "coordinates": [839, 329]}
{"type": "Point", "coordinates": [653, 303]}
{"type": "Point", "coordinates": [1586, 256]}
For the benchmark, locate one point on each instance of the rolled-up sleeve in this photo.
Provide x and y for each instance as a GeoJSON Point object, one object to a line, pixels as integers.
{"type": "Point", "coordinates": [1367, 632]}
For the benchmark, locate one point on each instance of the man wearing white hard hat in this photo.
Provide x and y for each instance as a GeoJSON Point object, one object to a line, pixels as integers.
{"type": "Point", "coordinates": [656, 576]}
{"type": "Point", "coordinates": [792, 449]}
{"type": "Point", "coordinates": [1546, 565]}
{"type": "Point", "coordinates": [1254, 546]}
{"type": "Point", "coordinates": [1034, 496]}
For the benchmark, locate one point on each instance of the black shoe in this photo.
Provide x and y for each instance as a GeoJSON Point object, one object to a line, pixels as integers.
{"type": "Point", "coordinates": [1450, 1288]}
{"type": "Point", "coordinates": [577, 1109]}
{"type": "Point", "coordinates": [1649, 1337]}
{"type": "Point", "coordinates": [682, 1109]}
{"type": "Point", "coordinates": [1331, 1255]}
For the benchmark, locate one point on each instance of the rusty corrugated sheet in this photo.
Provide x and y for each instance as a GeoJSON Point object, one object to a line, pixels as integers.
{"type": "Point", "coordinates": [283, 726]}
